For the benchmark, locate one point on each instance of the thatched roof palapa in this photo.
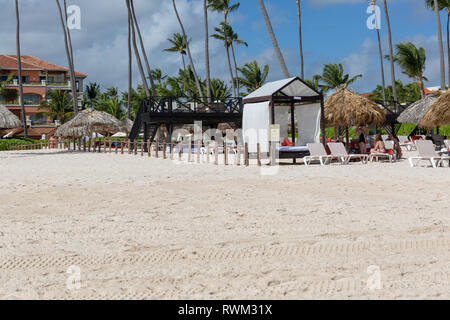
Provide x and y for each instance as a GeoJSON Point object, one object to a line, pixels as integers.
{"type": "Point", "coordinates": [439, 113]}
{"type": "Point", "coordinates": [416, 111]}
{"type": "Point", "coordinates": [346, 108]}
{"type": "Point", "coordinates": [89, 121]}
{"type": "Point", "coordinates": [8, 120]}
{"type": "Point", "coordinates": [126, 125]}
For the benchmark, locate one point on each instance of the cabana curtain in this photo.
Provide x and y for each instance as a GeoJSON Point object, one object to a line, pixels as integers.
{"type": "Point", "coordinates": [308, 119]}
{"type": "Point", "coordinates": [255, 124]}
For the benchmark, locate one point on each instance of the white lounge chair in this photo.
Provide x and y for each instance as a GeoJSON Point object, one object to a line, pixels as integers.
{"type": "Point", "coordinates": [317, 152]}
{"type": "Point", "coordinates": [427, 152]}
{"type": "Point", "coordinates": [390, 157]}
{"type": "Point", "coordinates": [447, 144]}
{"type": "Point", "coordinates": [338, 151]}
{"type": "Point", "coordinates": [405, 142]}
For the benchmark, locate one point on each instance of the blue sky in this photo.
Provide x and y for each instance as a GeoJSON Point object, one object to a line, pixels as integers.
{"type": "Point", "coordinates": [334, 31]}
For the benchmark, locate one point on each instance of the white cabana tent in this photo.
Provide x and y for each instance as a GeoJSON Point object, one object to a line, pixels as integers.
{"type": "Point", "coordinates": [282, 103]}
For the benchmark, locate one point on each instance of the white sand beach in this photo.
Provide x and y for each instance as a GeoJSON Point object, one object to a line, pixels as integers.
{"type": "Point", "coordinates": [142, 228]}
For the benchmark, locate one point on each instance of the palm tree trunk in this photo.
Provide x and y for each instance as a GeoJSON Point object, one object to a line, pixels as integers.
{"type": "Point", "coordinates": [19, 71]}
{"type": "Point", "coordinates": [130, 69]}
{"type": "Point", "coordinates": [391, 55]}
{"type": "Point", "coordinates": [184, 63]}
{"type": "Point", "coordinates": [448, 44]}
{"type": "Point", "coordinates": [207, 68]}
{"type": "Point", "coordinates": [72, 63]}
{"type": "Point", "coordinates": [197, 82]}
{"type": "Point", "coordinates": [136, 52]}
{"type": "Point", "coordinates": [299, 12]}
{"type": "Point", "coordinates": [235, 69]}
{"type": "Point", "coordinates": [230, 69]}
{"type": "Point", "coordinates": [441, 45]}
{"type": "Point", "coordinates": [227, 47]}
{"type": "Point", "coordinates": [421, 86]}
{"type": "Point", "coordinates": [69, 60]}
{"type": "Point", "coordinates": [380, 51]}
{"type": "Point", "coordinates": [274, 40]}
{"type": "Point", "coordinates": [144, 54]}
{"type": "Point", "coordinates": [383, 84]}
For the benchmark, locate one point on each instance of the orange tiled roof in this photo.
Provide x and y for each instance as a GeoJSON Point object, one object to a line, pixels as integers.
{"type": "Point", "coordinates": [9, 61]}
{"type": "Point", "coordinates": [33, 132]}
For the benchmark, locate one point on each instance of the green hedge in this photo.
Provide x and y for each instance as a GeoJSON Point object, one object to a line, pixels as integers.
{"type": "Point", "coordinates": [6, 144]}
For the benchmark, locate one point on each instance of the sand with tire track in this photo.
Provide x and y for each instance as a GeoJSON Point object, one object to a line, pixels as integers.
{"type": "Point", "coordinates": [157, 229]}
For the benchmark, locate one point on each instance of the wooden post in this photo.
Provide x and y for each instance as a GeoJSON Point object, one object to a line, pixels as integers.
{"type": "Point", "coordinates": [189, 150]}
{"type": "Point", "coordinates": [142, 148]}
{"type": "Point", "coordinates": [246, 160]}
{"type": "Point", "coordinates": [116, 146]}
{"type": "Point", "coordinates": [129, 146]}
{"type": "Point", "coordinates": [171, 150]}
{"type": "Point", "coordinates": [110, 144]}
{"type": "Point", "coordinates": [157, 148]}
{"type": "Point", "coordinates": [149, 148]}
{"type": "Point", "coordinates": [179, 150]}
{"type": "Point", "coordinates": [84, 144]}
{"type": "Point", "coordinates": [135, 147]}
{"type": "Point", "coordinates": [238, 155]}
{"type": "Point", "coordinates": [207, 152]}
{"type": "Point", "coordinates": [225, 153]}
{"type": "Point", "coordinates": [89, 143]}
{"type": "Point", "coordinates": [164, 149]}
{"type": "Point", "coordinates": [105, 145]}
{"type": "Point", "coordinates": [258, 156]}
{"type": "Point", "coordinates": [199, 145]}
{"type": "Point", "coordinates": [122, 145]}
{"type": "Point", "coordinates": [216, 154]}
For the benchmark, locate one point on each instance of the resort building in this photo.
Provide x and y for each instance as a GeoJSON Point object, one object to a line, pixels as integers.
{"type": "Point", "coordinates": [38, 77]}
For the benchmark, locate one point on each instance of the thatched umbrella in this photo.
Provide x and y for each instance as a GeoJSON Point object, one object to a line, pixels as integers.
{"type": "Point", "coordinates": [90, 121]}
{"type": "Point", "coordinates": [126, 126]}
{"type": "Point", "coordinates": [67, 130]}
{"type": "Point", "coordinates": [346, 108]}
{"type": "Point", "coordinates": [8, 120]}
{"type": "Point", "coordinates": [439, 113]}
{"type": "Point", "coordinates": [415, 112]}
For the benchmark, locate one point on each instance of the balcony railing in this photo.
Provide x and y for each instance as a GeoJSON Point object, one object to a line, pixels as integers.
{"type": "Point", "coordinates": [42, 83]}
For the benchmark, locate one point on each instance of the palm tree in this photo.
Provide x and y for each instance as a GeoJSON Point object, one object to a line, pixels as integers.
{"type": "Point", "coordinates": [58, 105]}
{"type": "Point", "coordinates": [71, 67]}
{"type": "Point", "coordinates": [69, 57]}
{"type": "Point", "coordinates": [92, 94]}
{"type": "Point", "coordinates": [130, 69]}
{"type": "Point", "coordinates": [230, 38]}
{"type": "Point", "coordinates": [19, 68]}
{"type": "Point", "coordinates": [179, 45]}
{"type": "Point", "coordinates": [299, 13]}
{"type": "Point", "coordinates": [333, 76]}
{"type": "Point", "coordinates": [274, 39]}
{"type": "Point", "coordinates": [391, 54]}
{"type": "Point", "coordinates": [226, 7]}
{"type": "Point", "coordinates": [144, 54]}
{"type": "Point", "coordinates": [157, 76]}
{"type": "Point", "coordinates": [219, 90]}
{"type": "Point", "coordinates": [136, 51]}
{"type": "Point", "coordinates": [315, 83]}
{"type": "Point", "coordinates": [207, 68]}
{"type": "Point", "coordinates": [197, 82]}
{"type": "Point", "coordinates": [412, 61]}
{"type": "Point", "coordinates": [253, 78]}
{"type": "Point", "coordinates": [438, 6]}
{"type": "Point", "coordinates": [380, 51]}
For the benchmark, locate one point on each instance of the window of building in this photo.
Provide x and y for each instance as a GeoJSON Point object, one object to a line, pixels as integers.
{"type": "Point", "coordinates": [33, 99]}
{"type": "Point", "coordinates": [38, 118]}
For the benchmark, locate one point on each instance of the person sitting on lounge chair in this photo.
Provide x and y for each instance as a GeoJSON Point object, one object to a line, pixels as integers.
{"type": "Point", "coordinates": [379, 146]}
{"type": "Point", "coordinates": [397, 146]}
